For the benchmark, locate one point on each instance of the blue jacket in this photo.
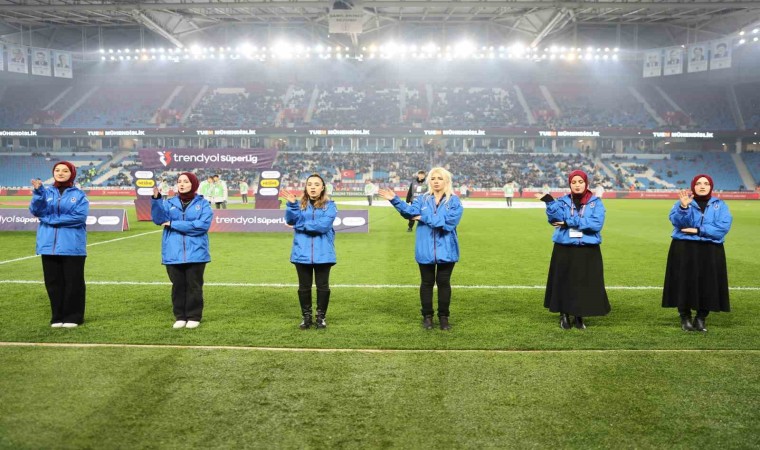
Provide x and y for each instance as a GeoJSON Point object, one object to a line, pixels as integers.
{"type": "Point", "coordinates": [63, 218]}
{"type": "Point", "coordinates": [436, 240]}
{"type": "Point", "coordinates": [713, 225]}
{"type": "Point", "coordinates": [589, 220]}
{"type": "Point", "coordinates": [185, 240]}
{"type": "Point", "coordinates": [314, 238]}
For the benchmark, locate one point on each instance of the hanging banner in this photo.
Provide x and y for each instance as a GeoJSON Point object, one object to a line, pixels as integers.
{"type": "Point", "coordinates": [697, 58]}
{"type": "Point", "coordinates": [17, 219]}
{"type": "Point", "coordinates": [347, 21]}
{"type": "Point", "coordinates": [62, 67]}
{"type": "Point", "coordinates": [674, 61]}
{"type": "Point", "coordinates": [210, 158]}
{"type": "Point", "coordinates": [273, 221]}
{"type": "Point", "coordinates": [41, 62]}
{"type": "Point", "coordinates": [17, 59]}
{"type": "Point", "coordinates": [652, 63]}
{"type": "Point", "coordinates": [720, 56]}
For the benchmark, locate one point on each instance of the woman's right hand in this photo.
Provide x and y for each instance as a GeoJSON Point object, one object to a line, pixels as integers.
{"type": "Point", "coordinates": [290, 198]}
{"type": "Point", "coordinates": [36, 184]}
{"type": "Point", "coordinates": [684, 197]}
{"type": "Point", "coordinates": [155, 192]}
{"type": "Point", "coordinates": [386, 194]}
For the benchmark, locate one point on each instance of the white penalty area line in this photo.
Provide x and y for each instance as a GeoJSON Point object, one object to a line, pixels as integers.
{"type": "Point", "coordinates": [359, 286]}
{"type": "Point", "coordinates": [359, 350]}
{"type": "Point", "coordinates": [89, 245]}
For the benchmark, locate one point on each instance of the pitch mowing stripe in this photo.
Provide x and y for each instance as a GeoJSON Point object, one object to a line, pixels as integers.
{"type": "Point", "coordinates": [361, 350]}
{"type": "Point", "coordinates": [89, 245]}
{"type": "Point", "coordinates": [359, 286]}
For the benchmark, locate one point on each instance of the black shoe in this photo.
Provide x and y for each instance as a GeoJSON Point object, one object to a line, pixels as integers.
{"type": "Point", "coordinates": [427, 322]}
{"type": "Point", "coordinates": [305, 323]}
{"type": "Point", "coordinates": [409, 230]}
{"type": "Point", "coordinates": [564, 321]}
{"type": "Point", "coordinates": [321, 322]}
{"type": "Point", "coordinates": [699, 324]}
{"type": "Point", "coordinates": [579, 323]}
{"type": "Point", "coordinates": [444, 322]}
{"type": "Point", "coordinates": [686, 323]}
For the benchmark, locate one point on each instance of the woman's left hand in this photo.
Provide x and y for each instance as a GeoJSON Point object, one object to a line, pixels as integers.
{"type": "Point", "coordinates": [689, 230]}
{"type": "Point", "coordinates": [290, 198]}
{"type": "Point", "coordinates": [166, 224]}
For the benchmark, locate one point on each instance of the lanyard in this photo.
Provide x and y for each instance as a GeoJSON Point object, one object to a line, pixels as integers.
{"type": "Point", "coordinates": [572, 209]}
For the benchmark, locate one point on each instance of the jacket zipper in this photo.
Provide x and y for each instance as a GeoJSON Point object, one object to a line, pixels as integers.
{"type": "Point", "coordinates": [55, 234]}
{"type": "Point", "coordinates": [313, 217]}
{"type": "Point", "coordinates": [184, 247]}
{"type": "Point", "coordinates": [435, 250]}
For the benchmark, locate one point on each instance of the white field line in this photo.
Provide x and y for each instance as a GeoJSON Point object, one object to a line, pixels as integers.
{"type": "Point", "coordinates": [360, 286]}
{"type": "Point", "coordinates": [89, 245]}
{"type": "Point", "coordinates": [361, 350]}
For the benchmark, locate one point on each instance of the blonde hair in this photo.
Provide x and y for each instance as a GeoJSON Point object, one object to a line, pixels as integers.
{"type": "Point", "coordinates": [321, 200]}
{"type": "Point", "coordinates": [447, 189]}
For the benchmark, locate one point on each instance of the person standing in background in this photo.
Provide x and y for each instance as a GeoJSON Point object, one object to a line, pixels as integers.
{"type": "Point", "coordinates": [509, 192]}
{"type": "Point", "coordinates": [313, 251]}
{"type": "Point", "coordinates": [696, 277]}
{"type": "Point", "coordinates": [62, 243]}
{"type": "Point", "coordinates": [186, 219]}
{"type": "Point", "coordinates": [205, 188]}
{"type": "Point", "coordinates": [163, 187]}
{"type": "Point", "coordinates": [244, 191]}
{"type": "Point", "coordinates": [219, 192]}
{"type": "Point", "coordinates": [416, 188]}
{"type": "Point", "coordinates": [369, 190]}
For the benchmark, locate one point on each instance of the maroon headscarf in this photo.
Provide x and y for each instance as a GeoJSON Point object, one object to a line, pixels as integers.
{"type": "Point", "coordinates": [584, 197]}
{"type": "Point", "coordinates": [187, 196]}
{"type": "Point", "coordinates": [694, 185]}
{"type": "Point", "coordinates": [70, 182]}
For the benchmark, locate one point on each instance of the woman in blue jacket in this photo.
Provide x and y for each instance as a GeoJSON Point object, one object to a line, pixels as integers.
{"type": "Point", "coordinates": [696, 276]}
{"type": "Point", "coordinates": [575, 284]}
{"type": "Point", "coordinates": [313, 252]}
{"type": "Point", "coordinates": [437, 213]}
{"type": "Point", "coordinates": [186, 219]}
{"type": "Point", "coordinates": [62, 241]}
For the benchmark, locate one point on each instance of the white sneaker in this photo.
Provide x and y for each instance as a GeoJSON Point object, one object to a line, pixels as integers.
{"type": "Point", "coordinates": [179, 324]}
{"type": "Point", "coordinates": [193, 324]}
{"type": "Point", "coordinates": [56, 325]}
{"type": "Point", "coordinates": [70, 325]}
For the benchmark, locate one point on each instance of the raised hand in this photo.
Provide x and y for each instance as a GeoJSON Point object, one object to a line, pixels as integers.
{"type": "Point", "coordinates": [155, 192]}
{"type": "Point", "coordinates": [290, 198]}
{"type": "Point", "coordinates": [386, 194]}
{"type": "Point", "coordinates": [685, 197]}
{"type": "Point", "coordinates": [36, 184]}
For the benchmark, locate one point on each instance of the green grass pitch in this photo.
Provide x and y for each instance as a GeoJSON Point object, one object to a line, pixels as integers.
{"type": "Point", "coordinates": [506, 376]}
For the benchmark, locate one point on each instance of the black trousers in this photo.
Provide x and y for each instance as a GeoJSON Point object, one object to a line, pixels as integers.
{"type": "Point", "coordinates": [64, 281]}
{"type": "Point", "coordinates": [509, 201]}
{"type": "Point", "coordinates": [369, 200]}
{"type": "Point", "coordinates": [187, 290]}
{"type": "Point", "coordinates": [430, 277]}
{"type": "Point", "coordinates": [245, 198]}
{"type": "Point", "coordinates": [309, 274]}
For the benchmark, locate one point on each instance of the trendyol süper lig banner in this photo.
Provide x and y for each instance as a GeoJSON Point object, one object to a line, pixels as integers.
{"type": "Point", "coordinates": [209, 158]}
{"type": "Point", "coordinates": [273, 221]}
{"type": "Point", "coordinates": [17, 219]}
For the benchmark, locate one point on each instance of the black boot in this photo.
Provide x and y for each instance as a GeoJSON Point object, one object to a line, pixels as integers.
{"type": "Point", "coordinates": [321, 322]}
{"type": "Point", "coordinates": [427, 322]}
{"type": "Point", "coordinates": [444, 320]}
{"type": "Point", "coordinates": [686, 322]}
{"type": "Point", "coordinates": [699, 324]}
{"type": "Point", "coordinates": [323, 300]}
{"type": "Point", "coordinates": [306, 322]}
{"type": "Point", "coordinates": [304, 298]}
{"type": "Point", "coordinates": [579, 323]}
{"type": "Point", "coordinates": [564, 321]}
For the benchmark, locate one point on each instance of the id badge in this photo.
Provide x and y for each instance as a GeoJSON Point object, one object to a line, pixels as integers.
{"type": "Point", "coordinates": [575, 233]}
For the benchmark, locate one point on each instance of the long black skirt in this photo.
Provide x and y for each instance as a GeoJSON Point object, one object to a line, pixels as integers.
{"type": "Point", "coordinates": [696, 277]}
{"type": "Point", "coordinates": [576, 281]}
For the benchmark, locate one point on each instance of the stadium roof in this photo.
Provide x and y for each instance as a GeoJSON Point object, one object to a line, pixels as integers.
{"type": "Point", "coordinates": [627, 23]}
